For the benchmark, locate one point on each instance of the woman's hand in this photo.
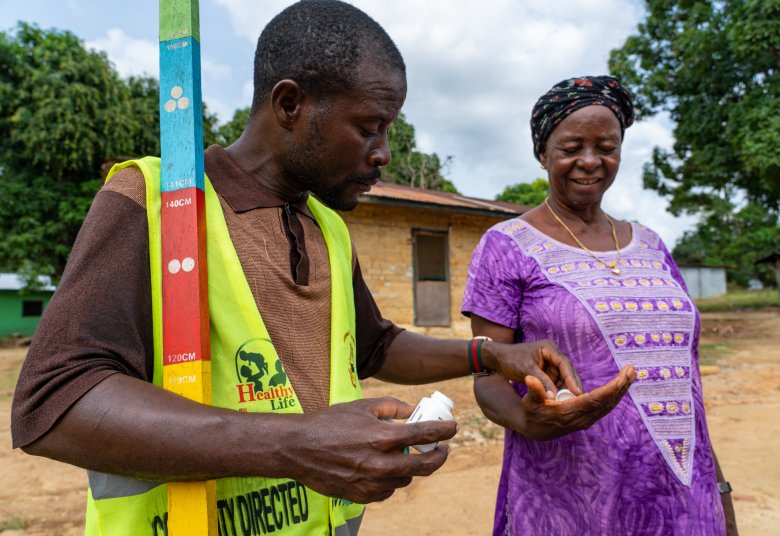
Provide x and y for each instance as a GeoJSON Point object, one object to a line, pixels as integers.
{"type": "Point", "coordinates": [536, 416]}
{"type": "Point", "coordinates": [542, 360]}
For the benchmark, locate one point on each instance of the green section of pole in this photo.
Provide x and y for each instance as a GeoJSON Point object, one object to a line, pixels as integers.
{"type": "Point", "coordinates": [179, 18]}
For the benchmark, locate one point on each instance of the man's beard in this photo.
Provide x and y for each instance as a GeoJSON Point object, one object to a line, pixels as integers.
{"type": "Point", "coordinates": [335, 196]}
{"type": "Point", "coordinates": [306, 168]}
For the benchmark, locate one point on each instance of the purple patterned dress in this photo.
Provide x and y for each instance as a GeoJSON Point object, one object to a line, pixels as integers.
{"type": "Point", "coordinates": [647, 467]}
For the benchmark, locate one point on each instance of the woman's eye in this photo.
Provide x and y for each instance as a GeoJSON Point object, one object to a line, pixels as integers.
{"type": "Point", "coordinates": [570, 150]}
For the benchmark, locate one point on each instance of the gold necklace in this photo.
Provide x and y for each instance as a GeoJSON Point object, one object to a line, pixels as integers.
{"type": "Point", "coordinates": [613, 265]}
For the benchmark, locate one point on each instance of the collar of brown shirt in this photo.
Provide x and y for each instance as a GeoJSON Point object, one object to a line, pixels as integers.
{"type": "Point", "coordinates": [242, 192]}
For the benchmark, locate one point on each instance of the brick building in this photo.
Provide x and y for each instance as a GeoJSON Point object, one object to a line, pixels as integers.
{"type": "Point", "coordinates": [414, 247]}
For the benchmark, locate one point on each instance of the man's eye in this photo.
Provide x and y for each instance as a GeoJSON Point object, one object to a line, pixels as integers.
{"type": "Point", "coordinates": [370, 130]}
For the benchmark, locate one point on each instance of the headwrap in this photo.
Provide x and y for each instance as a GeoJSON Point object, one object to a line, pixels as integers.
{"type": "Point", "coordinates": [569, 95]}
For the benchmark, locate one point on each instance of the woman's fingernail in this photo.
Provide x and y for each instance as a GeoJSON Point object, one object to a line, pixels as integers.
{"type": "Point", "coordinates": [550, 395]}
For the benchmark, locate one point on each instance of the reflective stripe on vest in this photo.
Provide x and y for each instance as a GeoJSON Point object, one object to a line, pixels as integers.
{"type": "Point", "coordinates": [247, 375]}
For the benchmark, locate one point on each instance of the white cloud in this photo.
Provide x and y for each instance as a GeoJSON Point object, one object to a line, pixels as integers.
{"type": "Point", "coordinates": [211, 69]}
{"type": "Point", "coordinates": [130, 56]}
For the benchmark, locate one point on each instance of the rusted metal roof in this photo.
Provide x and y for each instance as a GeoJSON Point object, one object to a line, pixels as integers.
{"type": "Point", "coordinates": [391, 193]}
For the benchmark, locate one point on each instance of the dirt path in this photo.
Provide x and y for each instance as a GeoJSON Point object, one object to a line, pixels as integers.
{"type": "Point", "coordinates": [44, 498]}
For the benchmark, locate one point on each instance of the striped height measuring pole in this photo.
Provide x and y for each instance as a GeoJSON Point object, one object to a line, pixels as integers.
{"type": "Point", "coordinates": [186, 350]}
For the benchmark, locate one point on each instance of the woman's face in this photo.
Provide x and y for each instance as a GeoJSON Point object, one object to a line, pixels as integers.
{"type": "Point", "coordinates": [582, 156]}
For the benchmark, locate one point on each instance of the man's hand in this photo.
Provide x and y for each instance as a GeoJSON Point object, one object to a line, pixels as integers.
{"type": "Point", "coordinates": [348, 452]}
{"type": "Point", "coordinates": [542, 360]}
{"type": "Point", "coordinates": [536, 416]}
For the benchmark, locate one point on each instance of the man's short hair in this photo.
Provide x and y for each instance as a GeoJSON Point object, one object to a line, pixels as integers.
{"type": "Point", "coordinates": [319, 44]}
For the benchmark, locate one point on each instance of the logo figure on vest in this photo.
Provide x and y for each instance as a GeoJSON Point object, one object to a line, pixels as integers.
{"type": "Point", "coordinates": [349, 339]}
{"type": "Point", "coordinates": [257, 382]}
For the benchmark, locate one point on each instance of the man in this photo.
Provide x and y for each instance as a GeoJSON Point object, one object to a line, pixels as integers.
{"type": "Point", "coordinates": [329, 82]}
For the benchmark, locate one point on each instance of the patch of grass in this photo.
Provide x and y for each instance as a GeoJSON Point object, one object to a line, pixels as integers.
{"type": "Point", "coordinates": [710, 353]}
{"type": "Point", "coordinates": [15, 523]}
{"type": "Point", "coordinates": [740, 299]}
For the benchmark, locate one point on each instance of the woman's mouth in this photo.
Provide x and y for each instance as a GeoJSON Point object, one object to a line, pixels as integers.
{"type": "Point", "coordinates": [584, 182]}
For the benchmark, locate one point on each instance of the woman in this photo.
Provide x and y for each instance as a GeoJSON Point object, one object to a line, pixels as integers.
{"type": "Point", "coordinates": [610, 295]}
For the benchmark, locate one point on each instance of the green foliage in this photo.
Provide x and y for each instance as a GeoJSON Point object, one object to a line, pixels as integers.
{"type": "Point", "coordinates": [734, 239]}
{"type": "Point", "coordinates": [525, 193]}
{"type": "Point", "coordinates": [715, 67]}
{"type": "Point", "coordinates": [63, 112]}
{"type": "Point", "coordinates": [411, 167]}
{"type": "Point", "coordinates": [63, 109]}
{"type": "Point", "coordinates": [231, 131]}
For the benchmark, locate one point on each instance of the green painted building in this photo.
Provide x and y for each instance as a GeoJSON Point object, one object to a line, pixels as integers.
{"type": "Point", "coordinates": [20, 309]}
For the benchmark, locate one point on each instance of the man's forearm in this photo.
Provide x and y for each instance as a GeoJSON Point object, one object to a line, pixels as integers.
{"type": "Point", "coordinates": [417, 359]}
{"type": "Point", "coordinates": [129, 427]}
{"type": "Point", "coordinates": [126, 426]}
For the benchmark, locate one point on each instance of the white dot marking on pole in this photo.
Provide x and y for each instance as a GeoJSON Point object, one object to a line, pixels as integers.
{"type": "Point", "coordinates": [177, 92]}
{"type": "Point", "coordinates": [170, 105]}
{"type": "Point", "coordinates": [174, 266]}
{"type": "Point", "coordinates": [183, 103]}
{"type": "Point", "coordinates": [188, 264]}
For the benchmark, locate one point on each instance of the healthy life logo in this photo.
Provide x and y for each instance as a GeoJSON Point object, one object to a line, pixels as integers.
{"type": "Point", "coordinates": [260, 378]}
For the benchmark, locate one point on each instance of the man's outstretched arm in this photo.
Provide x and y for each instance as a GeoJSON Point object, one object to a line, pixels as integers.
{"type": "Point", "coordinates": [415, 359]}
{"type": "Point", "coordinates": [127, 426]}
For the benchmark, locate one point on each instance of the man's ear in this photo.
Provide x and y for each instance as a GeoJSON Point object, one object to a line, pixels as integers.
{"type": "Point", "coordinates": [287, 98]}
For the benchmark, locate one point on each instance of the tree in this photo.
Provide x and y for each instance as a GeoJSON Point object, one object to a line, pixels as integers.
{"type": "Point", "coordinates": [747, 235]}
{"type": "Point", "coordinates": [230, 131]}
{"type": "Point", "coordinates": [525, 193]}
{"type": "Point", "coordinates": [63, 111]}
{"type": "Point", "coordinates": [411, 167]}
{"type": "Point", "coordinates": [715, 67]}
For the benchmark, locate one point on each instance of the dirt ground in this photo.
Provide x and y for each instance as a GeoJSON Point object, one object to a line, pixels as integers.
{"type": "Point", "coordinates": [742, 395]}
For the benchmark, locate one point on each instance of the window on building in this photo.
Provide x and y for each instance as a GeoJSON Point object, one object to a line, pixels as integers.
{"type": "Point", "coordinates": [32, 307]}
{"type": "Point", "coordinates": [431, 278]}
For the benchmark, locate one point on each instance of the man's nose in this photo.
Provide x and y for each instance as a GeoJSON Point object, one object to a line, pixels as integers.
{"type": "Point", "coordinates": [380, 154]}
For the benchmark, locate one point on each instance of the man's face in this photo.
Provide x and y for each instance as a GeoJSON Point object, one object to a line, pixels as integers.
{"type": "Point", "coordinates": [338, 153]}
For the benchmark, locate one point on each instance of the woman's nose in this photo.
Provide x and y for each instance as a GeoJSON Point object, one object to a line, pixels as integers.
{"type": "Point", "coordinates": [589, 160]}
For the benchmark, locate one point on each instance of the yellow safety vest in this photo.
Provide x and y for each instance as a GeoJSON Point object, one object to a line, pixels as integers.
{"type": "Point", "coordinates": [247, 375]}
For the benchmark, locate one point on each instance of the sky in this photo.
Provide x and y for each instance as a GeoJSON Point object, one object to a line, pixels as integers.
{"type": "Point", "coordinates": [474, 71]}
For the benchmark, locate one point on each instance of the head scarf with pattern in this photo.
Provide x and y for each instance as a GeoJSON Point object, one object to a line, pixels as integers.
{"type": "Point", "coordinates": [569, 95]}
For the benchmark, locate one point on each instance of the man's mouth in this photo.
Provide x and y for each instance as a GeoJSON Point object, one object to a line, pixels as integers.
{"type": "Point", "coordinates": [365, 182]}
{"type": "Point", "coordinates": [365, 186]}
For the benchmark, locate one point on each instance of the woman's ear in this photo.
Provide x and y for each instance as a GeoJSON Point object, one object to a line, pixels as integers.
{"type": "Point", "coordinates": [286, 101]}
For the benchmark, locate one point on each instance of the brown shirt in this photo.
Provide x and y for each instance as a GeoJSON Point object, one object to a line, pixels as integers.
{"type": "Point", "coordinates": [99, 321]}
